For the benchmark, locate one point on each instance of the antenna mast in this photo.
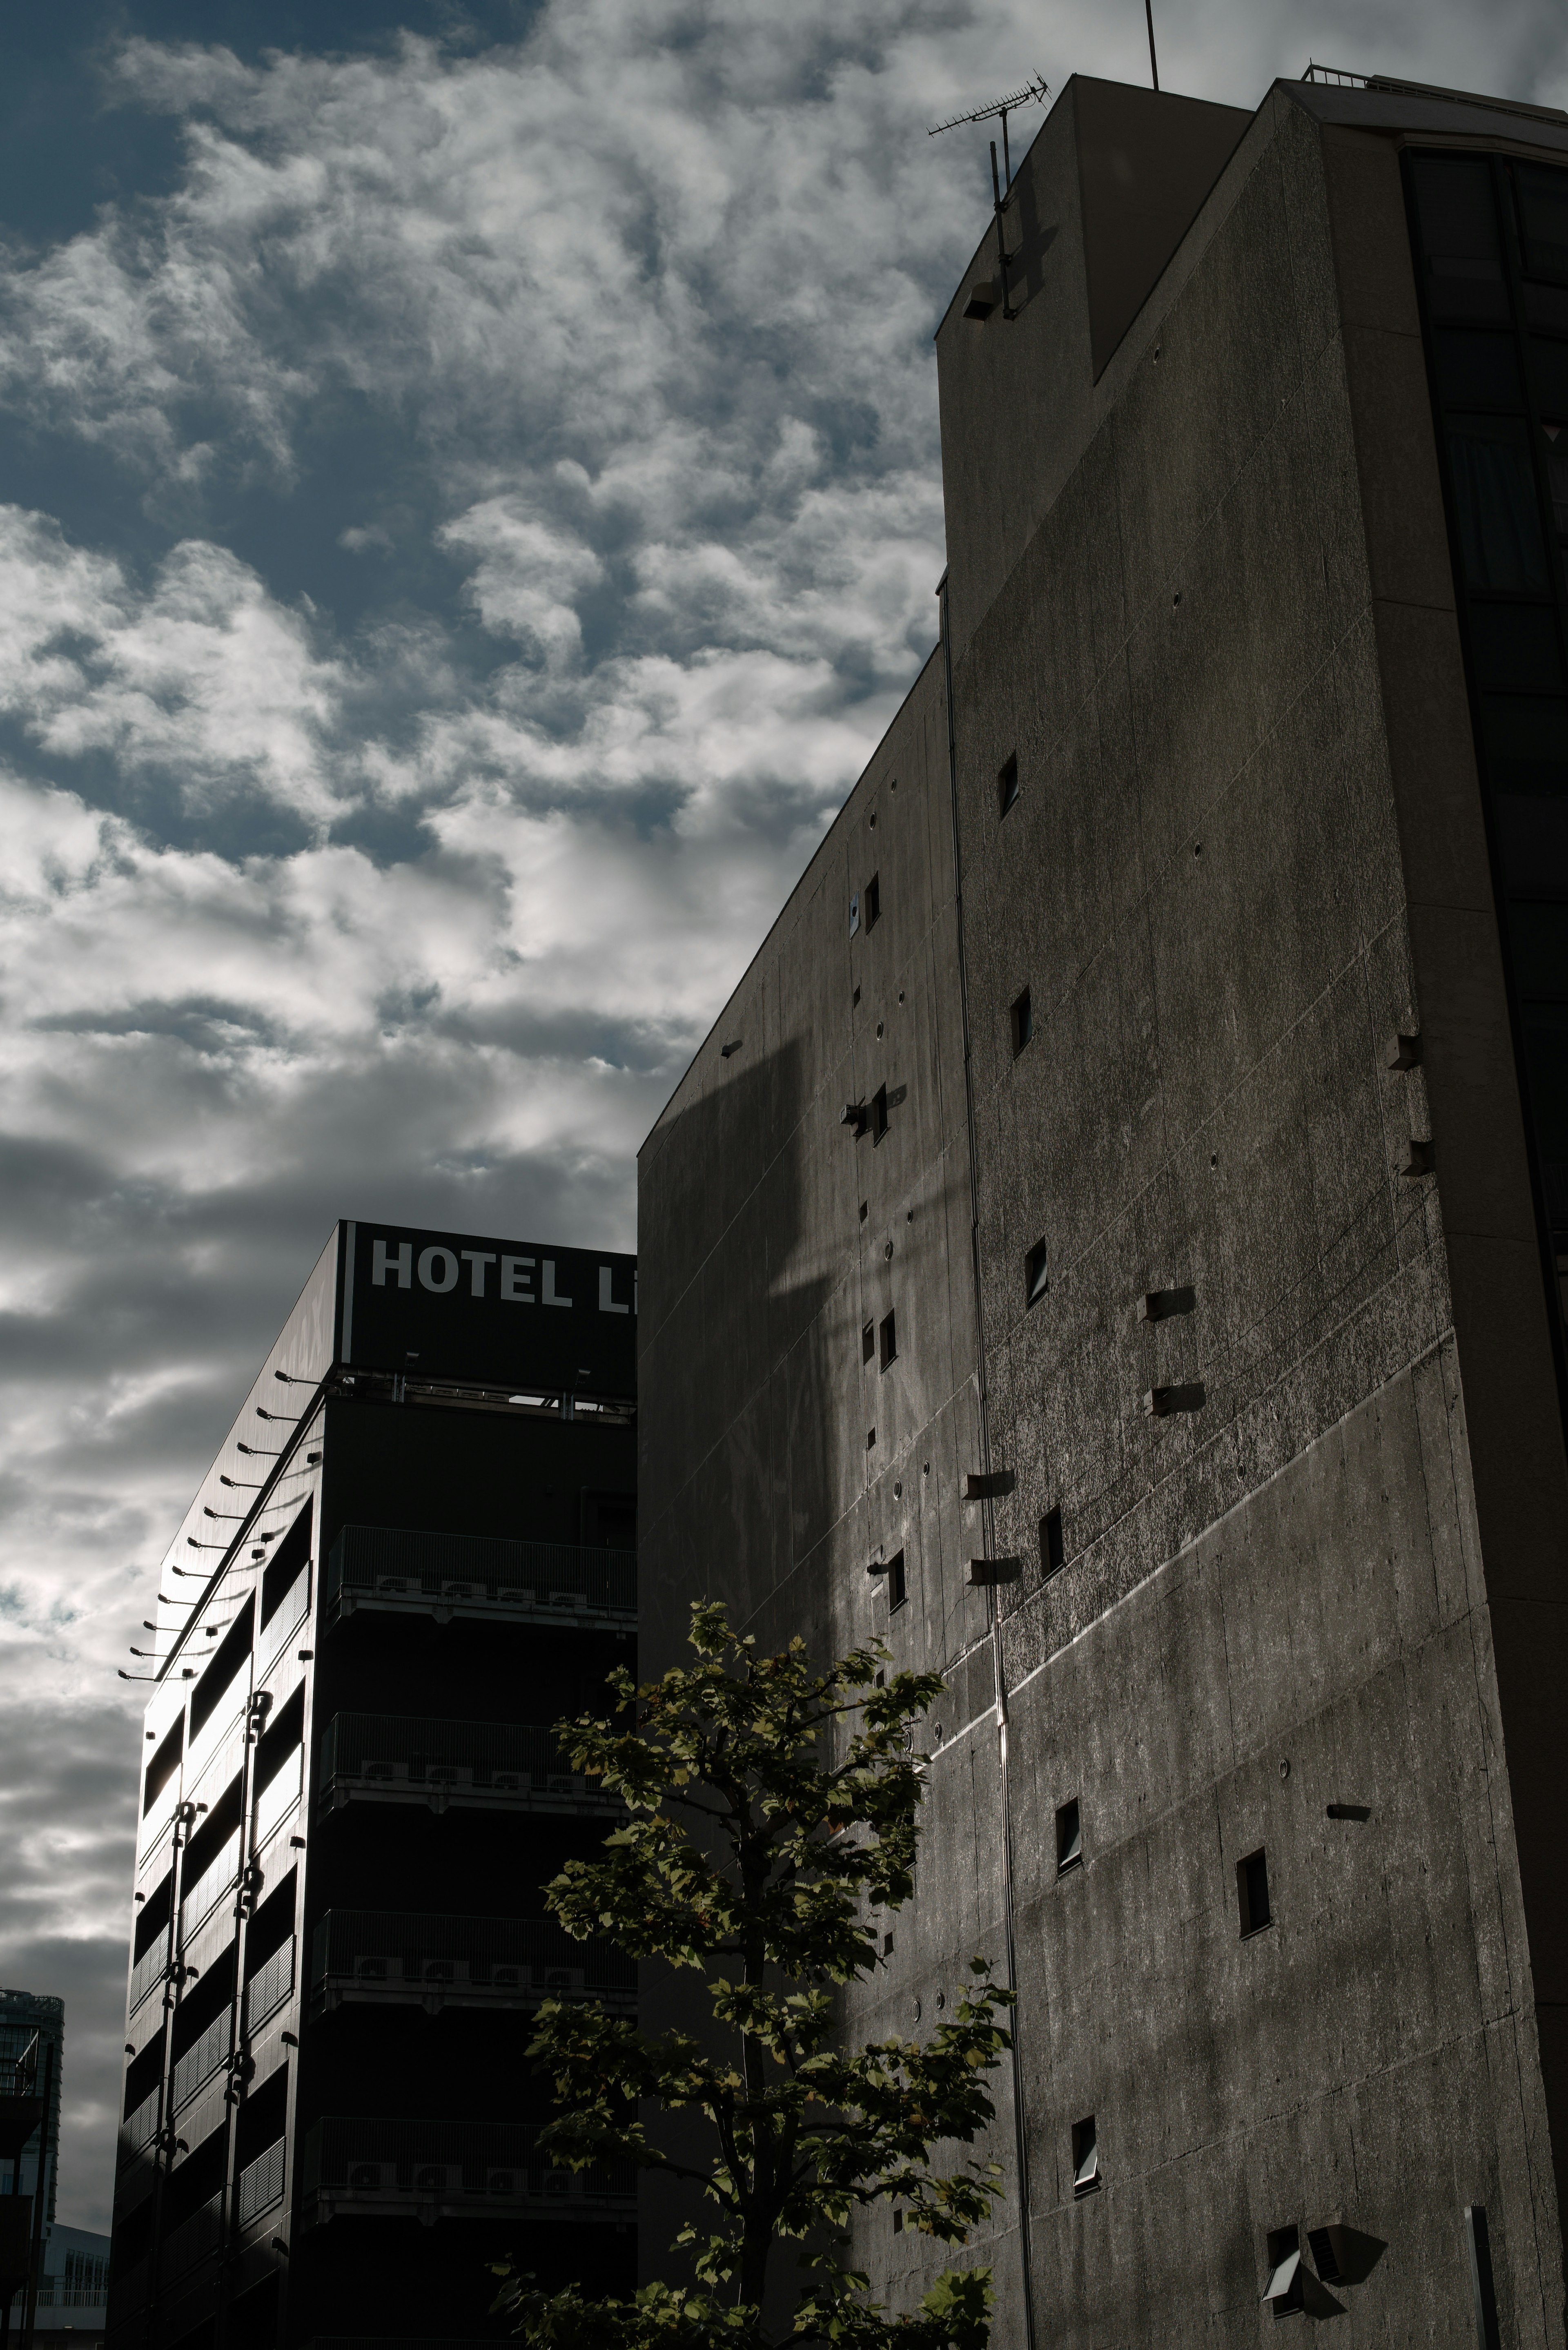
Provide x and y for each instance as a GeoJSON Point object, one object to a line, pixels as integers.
{"type": "Point", "coordinates": [1035, 88]}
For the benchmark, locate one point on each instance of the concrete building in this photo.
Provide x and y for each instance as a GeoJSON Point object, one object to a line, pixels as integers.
{"type": "Point", "coordinates": [1110, 1243]}
{"type": "Point", "coordinates": [414, 1551]}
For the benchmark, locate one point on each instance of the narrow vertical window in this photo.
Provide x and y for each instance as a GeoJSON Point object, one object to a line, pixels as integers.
{"type": "Point", "coordinates": [1022, 1022]}
{"type": "Point", "coordinates": [878, 1114]}
{"type": "Point", "coordinates": [897, 1591]}
{"type": "Point", "coordinates": [1036, 1274]}
{"type": "Point", "coordinates": [871, 901]}
{"type": "Point", "coordinates": [887, 1340]}
{"type": "Point", "coordinates": [1284, 2285]}
{"type": "Point", "coordinates": [1052, 1551]}
{"type": "Point", "coordinates": [1007, 784]}
{"type": "Point", "coordinates": [867, 1342]}
{"type": "Point", "coordinates": [1253, 1892]}
{"type": "Point", "coordinates": [855, 916]}
{"type": "Point", "coordinates": [1069, 1837]}
{"type": "Point", "coordinates": [1086, 2156]}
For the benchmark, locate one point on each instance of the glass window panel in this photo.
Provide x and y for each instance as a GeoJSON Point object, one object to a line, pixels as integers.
{"type": "Point", "coordinates": [1549, 364]}
{"type": "Point", "coordinates": [1532, 843]}
{"type": "Point", "coordinates": [1496, 504]}
{"type": "Point", "coordinates": [1546, 1058]}
{"type": "Point", "coordinates": [1458, 232]}
{"type": "Point", "coordinates": [1555, 447]}
{"type": "Point", "coordinates": [1526, 743]}
{"type": "Point", "coordinates": [1476, 370]}
{"type": "Point", "coordinates": [1538, 941]}
{"type": "Point", "coordinates": [1515, 647]}
{"type": "Point", "coordinates": [1546, 306]}
{"type": "Point", "coordinates": [1544, 220]}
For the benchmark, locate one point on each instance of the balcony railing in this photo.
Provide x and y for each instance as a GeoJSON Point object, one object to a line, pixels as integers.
{"type": "Point", "coordinates": [150, 1970]}
{"type": "Point", "coordinates": [260, 2184]}
{"type": "Point", "coordinates": [279, 1798]}
{"type": "Point", "coordinates": [483, 1765]}
{"type": "Point", "coordinates": [451, 2170]}
{"type": "Point", "coordinates": [194, 2240]}
{"type": "Point", "coordinates": [269, 1987]}
{"type": "Point", "coordinates": [471, 1575]}
{"type": "Point", "coordinates": [220, 1877]}
{"type": "Point", "coordinates": [200, 2061]}
{"type": "Point", "coordinates": [434, 1963]}
{"type": "Point", "coordinates": [139, 2129]}
{"type": "Point", "coordinates": [282, 1625]}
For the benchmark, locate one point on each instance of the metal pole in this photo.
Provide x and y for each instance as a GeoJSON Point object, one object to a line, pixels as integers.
{"type": "Point", "coordinates": [1007, 309]}
{"type": "Point", "coordinates": [1148, 12]}
{"type": "Point", "coordinates": [30, 2293]}
{"type": "Point", "coordinates": [1006, 158]}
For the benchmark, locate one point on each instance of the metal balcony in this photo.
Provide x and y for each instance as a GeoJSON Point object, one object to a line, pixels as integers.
{"type": "Point", "coordinates": [193, 2241]}
{"type": "Point", "coordinates": [260, 2184]}
{"type": "Point", "coordinates": [470, 1766]}
{"type": "Point", "coordinates": [450, 2170]}
{"type": "Point", "coordinates": [269, 1987]}
{"type": "Point", "coordinates": [383, 1958]}
{"type": "Point", "coordinates": [448, 1576]}
{"type": "Point", "coordinates": [205, 2057]}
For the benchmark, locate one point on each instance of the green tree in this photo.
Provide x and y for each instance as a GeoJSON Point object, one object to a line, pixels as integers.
{"type": "Point", "coordinates": [771, 1808]}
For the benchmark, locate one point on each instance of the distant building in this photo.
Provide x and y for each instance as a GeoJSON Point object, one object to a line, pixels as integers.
{"type": "Point", "coordinates": [1111, 1243]}
{"type": "Point", "coordinates": [413, 1553]}
{"type": "Point", "coordinates": [73, 2297]}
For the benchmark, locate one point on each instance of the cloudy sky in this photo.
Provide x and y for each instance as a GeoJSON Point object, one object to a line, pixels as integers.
{"type": "Point", "coordinates": [468, 504]}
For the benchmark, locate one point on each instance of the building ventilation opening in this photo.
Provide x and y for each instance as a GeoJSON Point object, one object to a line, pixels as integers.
{"type": "Point", "coordinates": [1086, 2156]}
{"type": "Point", "coordinates": [1253, 1892]}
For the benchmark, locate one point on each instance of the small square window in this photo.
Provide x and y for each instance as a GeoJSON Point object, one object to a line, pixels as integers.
{"type": "Point", "coordinates": [878, 1114]}
{"type": "Point", "coordinates": [887, 1340]}
{"type": "Point", "coordinates": [1036, 1274]}
{"type": "Point", "coordinates": [897, 1591]}
{"type": "Point", "coordinates": [1007, 784]}
{"type": "Point", "coordinates": [1284, 2285]}
{"type": "Point", "coordinates": [1086, 2156]}
{"type": "Point", "coordinates": [867, 1342]}
{"type": "Point", "coordinates": [1022, 1024]}
{"type": "Point", "coordinates": [1069, 1837]}
{"type": "Point", "coordinates": [871, 901]}
{"type": "Point", "coordinates": [1051, 1547]}
{"type": "Point", "coordinates": [1253, 1892]}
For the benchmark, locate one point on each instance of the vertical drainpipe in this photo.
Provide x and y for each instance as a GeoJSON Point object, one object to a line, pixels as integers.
{"type": "Point", "coordinates": [992, 1611]}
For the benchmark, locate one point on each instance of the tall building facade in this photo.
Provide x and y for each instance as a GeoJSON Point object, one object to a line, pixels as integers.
{"type": "Point", "coordinates": [1112, 1243]}
{"type": "Point", "coordinates": [414, 1551]}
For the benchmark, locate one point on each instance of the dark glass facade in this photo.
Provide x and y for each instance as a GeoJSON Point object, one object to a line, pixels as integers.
{"type": "Point", "coordinates": [417, 1554]}
{"type": "Point", "coordinates": [1491, 238]}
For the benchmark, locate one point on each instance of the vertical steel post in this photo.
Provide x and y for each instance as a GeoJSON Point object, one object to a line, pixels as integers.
{"type": "Point", "coordinates": [30, 2290]}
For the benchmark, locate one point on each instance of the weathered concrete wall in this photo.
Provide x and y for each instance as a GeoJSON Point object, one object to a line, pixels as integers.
{"type": "Point", "coordinates": [1207, 611]}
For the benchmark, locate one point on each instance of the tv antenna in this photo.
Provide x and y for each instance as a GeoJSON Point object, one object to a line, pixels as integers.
{"type": "Point", "coordinates": [1035, 88]}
